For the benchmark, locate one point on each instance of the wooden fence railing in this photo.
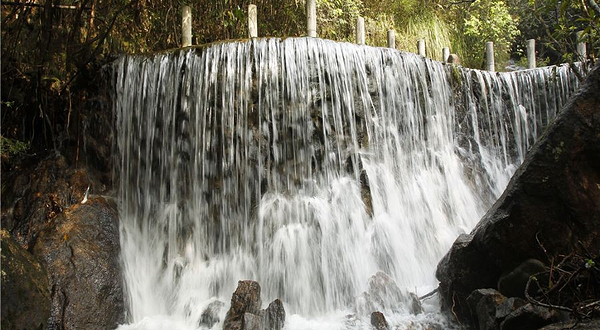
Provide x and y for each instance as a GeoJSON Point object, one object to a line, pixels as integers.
{"type": "Point", "coordinates": [311, 31]}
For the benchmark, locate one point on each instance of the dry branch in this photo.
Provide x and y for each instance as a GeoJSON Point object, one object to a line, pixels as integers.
{"type": "Point", "coordinates": [37, 5]}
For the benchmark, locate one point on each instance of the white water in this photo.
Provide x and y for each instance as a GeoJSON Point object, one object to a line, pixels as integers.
{"type": "Point", "coordinates": [244, 160]}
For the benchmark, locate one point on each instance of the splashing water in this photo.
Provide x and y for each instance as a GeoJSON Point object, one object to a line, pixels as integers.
{"type": "Point", "coordinates": [308, 165]}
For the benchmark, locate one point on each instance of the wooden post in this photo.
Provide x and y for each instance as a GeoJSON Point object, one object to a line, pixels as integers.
{"type": "Point", "coordinates": [531, 54]}
{"type": "Point", "coordinates": [186, 26]}
{"type": "Point", "coordinates": [489, 56]}
{"type": "Point", "coordinates": [311, 18]}
{"type": "Point", "coordinates": [360, 30]}
{"type": "Point", "coordinates": [445, 54]}
{"type": "Point", "coordinates": [421, 47]}
{"type": "Point", "coordinates": [252, 21]}
{"type": "Point", "coordinates": [581, 49]}
{"type": "Point", "coordinates": [391, 34]}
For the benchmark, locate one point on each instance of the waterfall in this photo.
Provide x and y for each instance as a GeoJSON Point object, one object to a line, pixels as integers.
{"type": "Point", "coordinates": [308, 165]}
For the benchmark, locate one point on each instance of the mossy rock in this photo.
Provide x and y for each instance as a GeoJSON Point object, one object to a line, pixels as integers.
{"type": "Point", "coordinates": [25, 290]}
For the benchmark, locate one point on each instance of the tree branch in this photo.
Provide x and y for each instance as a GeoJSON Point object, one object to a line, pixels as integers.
{"type": "Point", "coordinates": [101, 40]}
{"type": "Point", "coordinates": [539, 303]}
{"type": "Point", "coordinates": [37, 5]}
{"type": "Point", "coordinates": [594, 6]}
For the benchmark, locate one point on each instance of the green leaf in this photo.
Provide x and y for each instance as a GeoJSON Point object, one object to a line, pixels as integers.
{"type": "Point", "coordinates": [589, 264]}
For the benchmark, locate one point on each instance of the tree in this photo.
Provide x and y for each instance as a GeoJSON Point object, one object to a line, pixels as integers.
{"type": "Point", "coordinates": [489, 21]}
{"type": "Point", "coordinates": [554, 24]}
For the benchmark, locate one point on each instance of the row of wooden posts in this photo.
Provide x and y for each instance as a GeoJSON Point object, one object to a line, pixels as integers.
{"type": "Point", "coordinates": [311, 29]}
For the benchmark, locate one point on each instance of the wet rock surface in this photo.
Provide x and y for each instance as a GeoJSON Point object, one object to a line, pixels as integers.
{"type": "Point", "coordinates": [378, 321]}
{"type": "Point", "coordinates": [33, 198]}
{"type": "Point", "coordinates": [274, 315]}
{"type": "Point", "coordinates": [43, 185]}
{"type": "Point", "coordinates": [245, 299]}
{"type": "Point", "coordinates": [245, 312]}
{"type": "Point", "coordinates": [25, 289]}
{"type": "Point", "coordinates": [529, 317]}
{"type": "Point", "coordinates": [251, 322]}
{"type": "Point", "coordinates": [414, 304]}
{"type": "Point", "coordinates": [76, 244]}
{"type": "Point", "coordinates": [210, 315]}
{"type": "Point", "coordinates": [579, 325]}
{"type": "Point", "coordinates": [489, 307]}
{"type": "Point", "coordinates": [81, 252]}
{"type": "Point", "coordinates": [383, 294]}
{"type": "Point", "coordinates": [490, 310]}
{"type": "Point", "coordinates": [551, 206]}
{"type": "Point", "coordinates": [483, 304]}
{"type": "Point", "coordinates": [513, 284]}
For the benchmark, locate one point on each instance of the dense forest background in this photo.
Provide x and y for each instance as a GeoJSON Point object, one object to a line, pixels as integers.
{"type": "Point", "coordinates": [52, 50]}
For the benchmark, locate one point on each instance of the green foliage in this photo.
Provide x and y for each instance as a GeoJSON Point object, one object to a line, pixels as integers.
{"type": "Point", "coordinates": [554, 23]}
{"type": "Point", "coordinates": [8, 104]}
{"type": "Point", "coordinates": [489, 21]}
{"type": "Point", "coordinates": [589, 263]}
{"type": "Point", "coordinates": [376, 29]}
{"type": "Point", "coordinates": [430, 27]}
{"type": "Point", "coordinates": [412, 20]}
{"type": "Point", "coordinates": [10, 148]}
{"type": "Point", "coordinates": [336, 19]}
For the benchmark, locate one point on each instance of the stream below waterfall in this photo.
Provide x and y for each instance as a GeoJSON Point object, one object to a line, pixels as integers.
{"type": "Point", "coordinates": [309, 166]}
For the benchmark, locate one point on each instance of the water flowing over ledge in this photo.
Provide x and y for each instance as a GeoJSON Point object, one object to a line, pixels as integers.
{"type": "Point", "coordinates": [308, 165]}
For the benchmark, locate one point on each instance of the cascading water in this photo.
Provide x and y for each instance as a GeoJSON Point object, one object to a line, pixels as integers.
{"type": "Point", "coordinates": [307, 165]}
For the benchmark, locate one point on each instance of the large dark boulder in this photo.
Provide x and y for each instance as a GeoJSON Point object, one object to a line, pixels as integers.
{"type": "Point", "coordinates": [81, 252]}
{"type": "Point", "coordinates": [551, 206]}
{"type": "Point", "coordinates": [41, 186]}
{"type": "Point", "coordinates": [78, 244]}
{"type": "Point", "coordinates": [33, 197]}
{"type": "Point", "coordinates": [25, 290]}
{"type": "Point", "coordinates": [513, 284]}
